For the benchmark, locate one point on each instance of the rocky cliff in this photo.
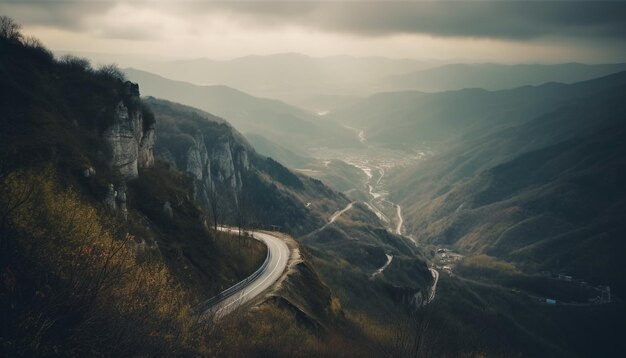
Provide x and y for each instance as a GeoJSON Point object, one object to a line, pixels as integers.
{"type": "Point", "coordinates": [231, 179]}
{"type": "Point", "coordinates": [129, 139]}
{"type": "Point", "coordinates": [221, 165]}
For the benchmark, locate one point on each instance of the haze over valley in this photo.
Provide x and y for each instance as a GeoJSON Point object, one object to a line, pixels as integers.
{"type": "Point", "coordinates": [298, 179]}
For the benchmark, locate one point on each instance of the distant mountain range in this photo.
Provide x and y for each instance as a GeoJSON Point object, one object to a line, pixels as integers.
{"type": "Point", "coordinates": [277, 121]}
{"type": "Point", "coordinates": [412, 118]}
{"type": "Point", "coordinates": [318, 83]}
{"type": "Point", "coordinates": [330, 83]}
{"type": "Point", "coordinates": [539, 184]}
{"type": "Point", "coordinates": [497, 77]}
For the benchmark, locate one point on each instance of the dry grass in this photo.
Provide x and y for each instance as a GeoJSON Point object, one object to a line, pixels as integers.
{"type": "Point", "coordinates": [73, 283]}
{"type": "Point", "coordinates": [486, 262]}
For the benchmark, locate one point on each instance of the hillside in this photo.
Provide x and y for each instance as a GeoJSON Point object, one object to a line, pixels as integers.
{"type": "Point", "coordinates": [260, 191]}
{"type": "Point", "coordinates": [277, 121]}
{"type": "Point", "coordinates": [544, 193]}
{"type": "Point", "coordinates": [108, 203]}
{"type": "Point", "coordinates": [101, 243]}
{"type": "Point", "coordinates": [231, 179]}
{"type": "Point", "coordinates": [315, 83]}
{"type": "Point", "coordinates": [411, 119]}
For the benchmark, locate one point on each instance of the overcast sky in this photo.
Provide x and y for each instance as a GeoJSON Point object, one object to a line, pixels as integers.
{"type": "Point", "coordinates": [502, 31]}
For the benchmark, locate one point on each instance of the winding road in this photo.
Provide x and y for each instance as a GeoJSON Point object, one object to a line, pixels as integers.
{"type": "Point", "coordinates": [377, 196]}
{"type": "Point", "coordinates": [433, 288]}
{"type": "Point", "coordinates": [279, 254]}
{"type": "Point", "coordinates": [380, 270]}
{"type": "Point", "coordinates": [400, 220]}
{"type": "Point", "coordinates": [338, 214]}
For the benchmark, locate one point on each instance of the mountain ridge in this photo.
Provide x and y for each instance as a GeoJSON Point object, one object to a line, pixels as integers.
{"type": "Point", "coordinates": [280, 122]}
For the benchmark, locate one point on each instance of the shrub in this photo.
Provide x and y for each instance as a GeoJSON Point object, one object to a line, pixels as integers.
{"type": "Point", "coordinates": [75, 284]}
{"type": "Point", "coordinates": [76, 63]}
{"type": "Point", "coordinates": [9, 29]}
{"type": "Point", "coordinates": [111, 71]}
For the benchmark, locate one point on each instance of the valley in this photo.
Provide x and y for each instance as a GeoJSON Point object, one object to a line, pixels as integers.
{"type": "Point", "coordinates": [312, 179]}
{"type": "Point", "coordinates": [374, 163]}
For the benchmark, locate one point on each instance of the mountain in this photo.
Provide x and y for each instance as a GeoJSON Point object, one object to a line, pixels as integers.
{"type": "Point", "coordinates": [412, 119]}
{"type": "Point", "coordinates": [317, 83]}
{"type": "Point", "coordinates": [279, 122]}
{"type": "Point", "coordinates": [543, 191]}
{"type": "Point", "coordinates": [230, 179]}
{"type": "Point", "coordinates": [107, 204]}
{"type": "Point", "coordinates": [497, 77]}
{"type": "Point", "coordinates": [278, 152]}
{"type": "Point", "coordinates": [99, 240]}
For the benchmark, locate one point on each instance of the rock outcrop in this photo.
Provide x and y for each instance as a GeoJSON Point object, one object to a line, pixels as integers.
{"type": "Point", "coordinates": [115, 199]}
{"type": "Point", "coordinates": [216, 165]}
{"type": "Point", "coordinates": [129, 140]}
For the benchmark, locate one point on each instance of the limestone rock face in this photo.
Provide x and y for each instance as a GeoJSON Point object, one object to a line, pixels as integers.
{"type": "Point", "coordinates": [145, 158]}
{"type": "Point", "coordinates": [109, 199]}
{"type": "Point", "coordinates": [115, 199]}
{"type": "Point", "coordinates": [198, 163]}
{"type": "Point", "coordinates": [216, 165]}
{"type": "Point", "coordinates": [129, 144]}
{"type": "Point", "coordinates": [223, 159]}
{"type": "Point", "coordinates": [242, 159]}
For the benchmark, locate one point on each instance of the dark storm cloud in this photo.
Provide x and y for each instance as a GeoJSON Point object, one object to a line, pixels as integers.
{"type": "Point", "coordinates": [500, 19]}
{"type": "Point", "coordinates": [74, 15]}
{"type": "Point", "coordinates": [54, 13]}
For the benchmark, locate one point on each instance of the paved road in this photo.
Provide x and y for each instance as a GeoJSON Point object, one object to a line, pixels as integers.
{"type": "Point", "coordinates": [279, 256]}
{"type": "Point", "coordinates": [433, 288]}
{"type": "Point", "coordinates": [400, 220]}
{"type": "Point", "coordinates": [339, 213]}
{"type": "Point", "coordinates": [380, 270]}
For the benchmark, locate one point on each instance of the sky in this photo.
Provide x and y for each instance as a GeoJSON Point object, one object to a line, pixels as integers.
{"type": "Point", "coordinates": [452, 31]}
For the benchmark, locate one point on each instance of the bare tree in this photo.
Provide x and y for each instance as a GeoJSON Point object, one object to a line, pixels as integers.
{"type": "Point", "coordinates": [214, 203]}
{"type": "Point", "coordinates": [76, 62]}
{"type": "Point", "coordinates": [9, 29]}
{"type": "Point", "coordinates": [112, 71]}
{"type": "Point", "coordinates": [242, 210]}
{"type": "Point", "coordinates": [32, 41]}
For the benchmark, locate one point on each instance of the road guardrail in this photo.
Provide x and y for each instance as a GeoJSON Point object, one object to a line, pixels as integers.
{"type": "Point", "coordinates": [236, 287]}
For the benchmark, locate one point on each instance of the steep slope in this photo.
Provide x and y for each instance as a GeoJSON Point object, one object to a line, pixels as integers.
{"type": "Point", "coordinates": [351, 249]}
{"type": "Point", "coordinates": [103, 247]}
{"type": "Point", "coordinates": [231, 179]}
{"type": "Point", "coordinates": [498, 77]}
{"type": "Point", "coordinates": [545, 193]}
{"type": "Point", "coordinates": [279, 122]}
{"type": "Point", "coordinates": [413, 118]}
{"type": "Point", "coordinates": [251, 190]}
{"type": "Point", "coordinates": [283, 155]}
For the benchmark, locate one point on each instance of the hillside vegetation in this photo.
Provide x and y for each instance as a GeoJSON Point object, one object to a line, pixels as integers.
{"type": "Point", "coordinates": [286, 125]}
{"type": "Point", "coordinates": [106, 247]}
{"type": "Point", "coordinates": [81, 276]}
{"type": "Point", "coordinates": [546, 193]}
{"type": "Point", "coordinates": [230, 178]}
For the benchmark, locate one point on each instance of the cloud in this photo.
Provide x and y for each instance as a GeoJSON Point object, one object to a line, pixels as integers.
{"type": "Point", "coordinates": [61, 14]}
{"type": "Point", "coordinates": [483, 19]}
